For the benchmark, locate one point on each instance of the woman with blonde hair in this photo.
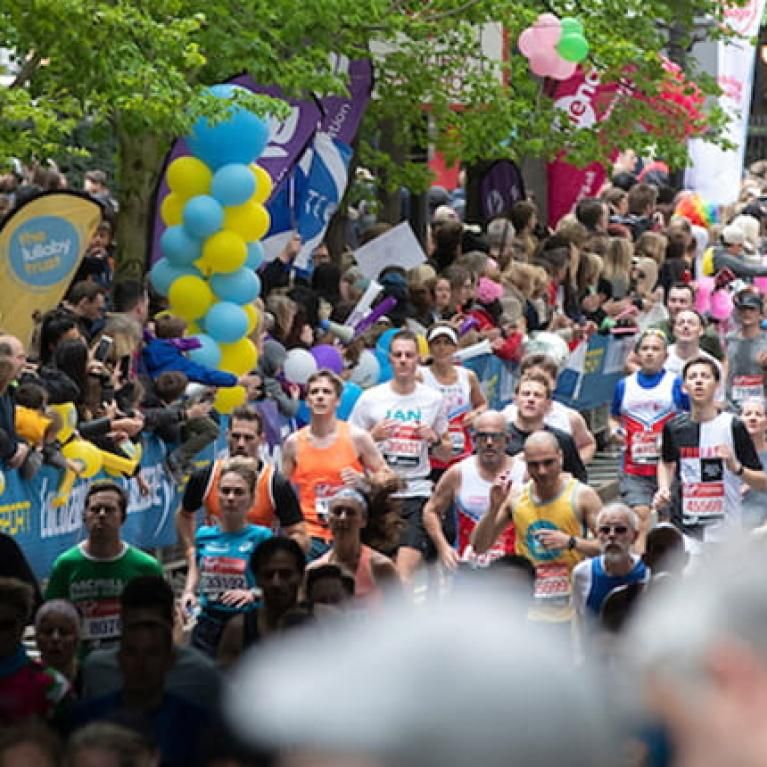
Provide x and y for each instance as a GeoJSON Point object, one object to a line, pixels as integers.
{"type": "Point", "coordinates": [616, 265]}
{"type": "Point", "coordinates": [652, 245]}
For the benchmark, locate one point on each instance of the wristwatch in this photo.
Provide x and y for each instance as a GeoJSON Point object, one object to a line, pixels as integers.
{"type": "Point", "coordinates": [572, 543]}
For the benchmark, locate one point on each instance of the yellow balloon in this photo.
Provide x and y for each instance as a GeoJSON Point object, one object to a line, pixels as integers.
{"type": "Point", "coordinates": [172, 209]}
{"type": "Point", "coordinates": [188, 177]}
{"type": "Point", "coordinates": [423, 346]}
{"type": "Point", "coordinates": [86, 454]}
{"type": "Point", "coordinates": [252, 313]}
{"type": "Point", "coordinates": [226, 400]}
{"type": "Point", "coordinates": [224, 252]}
{"type": "Point", "coordinates": [68, 415]}
{"type": "Point", "coordinates": [250, 221]}
{"type": "Point", "coordinates": [239, 357]}
{"type": "Point", "coordinates": [190, 297]}
{"type": "Point", "coordinates": [263, 184]}
{"type": "Point", "coordinates": [192, 329]}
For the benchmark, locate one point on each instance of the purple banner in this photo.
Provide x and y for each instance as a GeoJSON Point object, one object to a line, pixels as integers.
{"type": "Point", "coordinates": [500, 188]}
{"type": "Point", "coordinates": [342, 114]}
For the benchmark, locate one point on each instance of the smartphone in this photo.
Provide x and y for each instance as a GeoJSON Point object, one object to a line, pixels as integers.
{"type": "Point", "coordinates": [124, 367]}
{"type": "Point", "coordinates": [103, 349]}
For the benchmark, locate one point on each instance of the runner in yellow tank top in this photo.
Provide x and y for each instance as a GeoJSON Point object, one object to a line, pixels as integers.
{"type": "Point", "coordinates": [551, 514]}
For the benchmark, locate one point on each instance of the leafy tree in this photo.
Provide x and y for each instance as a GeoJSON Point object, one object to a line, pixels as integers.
{"type": "Point", "coordinates": [139, 67]}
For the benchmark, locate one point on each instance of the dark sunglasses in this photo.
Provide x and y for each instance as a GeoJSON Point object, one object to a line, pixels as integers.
{"type": "Point", "coordinates": [491, 436]}
{"type": "Point", "coordinates": [619, 529]}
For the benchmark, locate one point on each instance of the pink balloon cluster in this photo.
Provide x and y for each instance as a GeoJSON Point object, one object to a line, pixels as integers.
{"type": "Point", "coordinates": [539, 44]}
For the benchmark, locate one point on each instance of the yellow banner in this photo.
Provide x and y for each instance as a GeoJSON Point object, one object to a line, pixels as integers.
{"type": "Point", "coordinates": [41, 246]}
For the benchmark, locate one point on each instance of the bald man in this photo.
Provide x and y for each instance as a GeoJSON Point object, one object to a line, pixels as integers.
{"type": "Point", "coordinates": [552, 514]}
{"type": "Point", "coordinates": [467, 485]}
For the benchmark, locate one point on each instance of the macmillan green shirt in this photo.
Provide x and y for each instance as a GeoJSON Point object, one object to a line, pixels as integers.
{"type": "Point", "coordinates": [94, 587]}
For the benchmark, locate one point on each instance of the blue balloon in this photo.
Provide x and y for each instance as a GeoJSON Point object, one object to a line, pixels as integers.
{"type": "Point", "coordinates": [240, 138]}
{"type": "Point", "coordinates": [203, 216]}
{"type": "Point", "coordinates": [349, 396]}
{"type": "Point", "coordinates": [208, 354]}
{"type": "Point", "coordinates": [233, 184]}
{"type": "Point", "coordinates": [255, 255]}
{"type": "Point", "coordinates": [178, 247]}
{"type": "Point", "coordinates": [383, 361]}
{"type": "Point", "coordinates": [240, 287]}
{"type": "Point", "coordinates": [226, 322]}
{"type": "Point", "coordinates": [163, 274]}
{"type": "Point", "coordinates": [384, 342]}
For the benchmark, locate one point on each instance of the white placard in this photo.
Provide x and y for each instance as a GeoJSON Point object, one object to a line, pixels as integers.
{"type": "Point", "coordinates": [397, 247]}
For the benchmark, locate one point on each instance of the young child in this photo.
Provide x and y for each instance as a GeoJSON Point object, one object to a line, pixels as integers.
{"type": "Point", "coordinates": [185, 424]}
{"type": "Point", "coordinates": [165, 352]}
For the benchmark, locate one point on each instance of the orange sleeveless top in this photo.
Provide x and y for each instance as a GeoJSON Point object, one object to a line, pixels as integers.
{"type": "Point", "coordinates": [262, 510]}
{"type": "Point", "coordinates": [317, 475]}
{"type": "Point", "coordinates": [365, 587]}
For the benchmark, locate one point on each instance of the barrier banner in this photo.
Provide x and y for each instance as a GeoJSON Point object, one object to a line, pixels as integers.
{"type": "Point", "coordinates": [44, 531]}
{"type": "Point", "coordinates": [42, 243]}
{"type": "Point", "coordinates": [496, 378]}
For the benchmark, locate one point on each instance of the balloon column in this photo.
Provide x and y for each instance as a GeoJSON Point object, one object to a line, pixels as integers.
{"type": "Point", "coordinates": [554, 46]}
{"type": "Point", "coordinates": [211, 249]}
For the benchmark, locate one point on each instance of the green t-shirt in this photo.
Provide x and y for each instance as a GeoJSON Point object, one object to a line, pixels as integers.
{"type": "Point", "coordinates": [94, 587]}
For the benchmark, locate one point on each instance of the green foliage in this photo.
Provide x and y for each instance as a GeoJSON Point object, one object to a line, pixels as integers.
{"type": "Point", "coordinates": [140, 67]}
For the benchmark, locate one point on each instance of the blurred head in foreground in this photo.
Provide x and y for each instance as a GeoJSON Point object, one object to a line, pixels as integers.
{"type": "Point", "coordinates": [383, 692]}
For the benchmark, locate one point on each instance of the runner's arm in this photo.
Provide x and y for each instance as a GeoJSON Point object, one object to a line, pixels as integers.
{"type": "Point", "coordinates": [289, 456]}
{"type": "Point", "coordinates": [370, 456]}
{"type": "Point", "coordinates": [498, 517]}
{"type": "Point", "coordinates": [584, 439]}
{"type": "Point", "coordinates": [186, 522]}
{"type": "Point", "coordinates": [477, 398]}
{"type": "Point", "coordinates": [589, 504]}
{"type": "Point", "coordinates": [435, 507]}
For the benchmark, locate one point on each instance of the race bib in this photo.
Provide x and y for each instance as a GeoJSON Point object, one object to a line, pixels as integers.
{"type": "Point", "coordinates": [403, 448]}
{"type": "Point", "coordinates": [101, 620]}
{"type": "Point", "coordinates": [747, 387]}
{"type": "Point", "coordinates": [552, 585]}
{"type": "Point", "coordinates": [702, 502]}
{"type": "Point", "coordinates": [457, 440]}
{"type": "Point", "coordinates": [645, 447]}
{"type": "Point", "coordinates": [322, 495]}
{"type": "Point", "coordinates": [220, 574]}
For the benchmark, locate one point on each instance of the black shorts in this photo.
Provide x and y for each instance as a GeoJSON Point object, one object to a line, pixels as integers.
{"type": "Point", "coordinates": [414, 535]}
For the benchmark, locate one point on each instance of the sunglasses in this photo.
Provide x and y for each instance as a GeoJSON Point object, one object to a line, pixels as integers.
{"type": "Point", "coordinates": [489, 436]}
{"type": "Point", "coordinates": [350, 511]}
{"type": "Point", "coordinates": [618, 529]}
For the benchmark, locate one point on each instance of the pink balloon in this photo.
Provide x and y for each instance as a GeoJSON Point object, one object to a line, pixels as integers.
{"type": "Point", "coordinates": [548, 29]}
{"type": "Point", "coordinates": [528, 42]}
{"type": "Point", "coordinates": [703, 290]}
{"type": "Point", "coordinates": [721, 305]}
{"type": "Point", "coordinates": [761, 284]}
{"type": "Point", "coordinates": [564, 70]}
{"type": "Point", "coordinates": [542, 63]}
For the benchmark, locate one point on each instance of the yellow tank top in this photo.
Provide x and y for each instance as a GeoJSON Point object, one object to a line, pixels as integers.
{"type": "Point", "coordinates": [552, 566]}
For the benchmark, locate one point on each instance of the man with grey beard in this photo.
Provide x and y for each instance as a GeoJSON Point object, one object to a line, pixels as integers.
{"type": "Point", "coordinates": [593, 579]}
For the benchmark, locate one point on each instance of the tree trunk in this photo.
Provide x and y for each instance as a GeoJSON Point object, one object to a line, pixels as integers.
{"type": "Point", "coordinates": [140, 158]}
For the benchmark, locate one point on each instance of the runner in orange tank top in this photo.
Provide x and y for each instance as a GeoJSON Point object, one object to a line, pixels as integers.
{"type": "Point", "coordinates": [327, 455]}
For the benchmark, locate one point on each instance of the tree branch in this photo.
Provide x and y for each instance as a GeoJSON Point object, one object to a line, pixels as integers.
{"type": "Point", "coordinates": [31, 65]}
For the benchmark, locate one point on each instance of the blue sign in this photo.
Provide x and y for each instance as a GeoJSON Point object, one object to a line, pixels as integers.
{"type": "Point", "coordinates": [44, 250]}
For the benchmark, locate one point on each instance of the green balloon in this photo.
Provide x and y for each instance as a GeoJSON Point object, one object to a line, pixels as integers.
{"type": "Point", "coordinates": [573, 47]}
{"type": "Point", "coordinates": [571, 26]}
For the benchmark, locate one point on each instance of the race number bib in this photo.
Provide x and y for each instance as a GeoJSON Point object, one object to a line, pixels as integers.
{"type": "Point", "coordinates": [747, 387]}
{"type": "Point", "coordinates": [403, 448]}
{"type": "Point", "coordinates": [220, 574]}
{"type": "Point", "coordinates": [552, 585]}
{"type": "Point", "coordinates": [101, 620]}
{"type": "Point", "coordinates": [702, 502]}
{"type": "Point", "coordinates": [322, 495]}
{"type": "Point", "coordinates": [645, 447]}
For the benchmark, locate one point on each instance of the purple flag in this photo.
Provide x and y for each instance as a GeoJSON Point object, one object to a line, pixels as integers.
{"type": "Point", "coordinates": [500, 188]}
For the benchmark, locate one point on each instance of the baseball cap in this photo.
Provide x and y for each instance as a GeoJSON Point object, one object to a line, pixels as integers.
{"type": "Point", "coordinates": [747, 299]}
{"type": "Point", "coordinates": [442, 330]}
{"type": "Point", "coordinates": [733, 235]}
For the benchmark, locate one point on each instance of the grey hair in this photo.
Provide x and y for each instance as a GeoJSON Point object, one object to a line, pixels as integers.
{"type": "Point", "coordinates": [58, 607]}
{"type": "Point", "coordinates": [500, 233]}
{"type": "Point", "coordinates": [631, 515]}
